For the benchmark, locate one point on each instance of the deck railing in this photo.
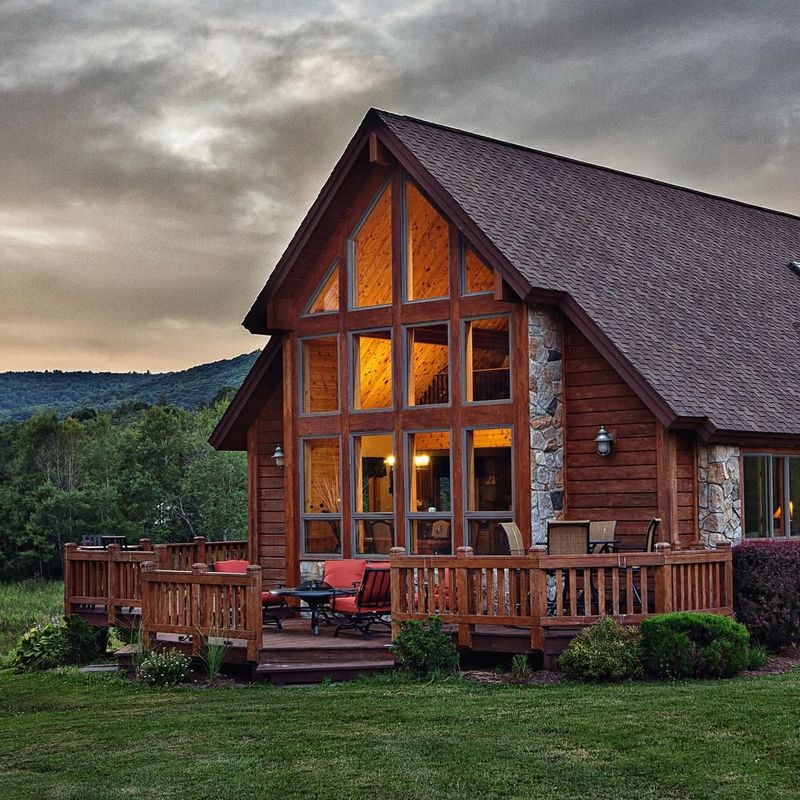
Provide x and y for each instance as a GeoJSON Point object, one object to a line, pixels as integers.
{"type": "Point", "coordinates": [200, 603]}
{"type": "Point", "coordinates": [182, 555]}
{"type": "Point", "coordinates": [539, 591]}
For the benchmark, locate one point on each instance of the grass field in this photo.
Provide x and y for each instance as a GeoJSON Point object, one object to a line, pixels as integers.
{"type": "Point", "coordinates": [64, 735]}
{"type": "Point", "coordinates": [24, 603]}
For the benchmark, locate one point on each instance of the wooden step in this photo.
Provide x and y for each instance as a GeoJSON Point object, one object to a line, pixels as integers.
{"type": "Point", "coordinates": [360, 651]}
{"type": "Point", "coordinates": [313, 672]}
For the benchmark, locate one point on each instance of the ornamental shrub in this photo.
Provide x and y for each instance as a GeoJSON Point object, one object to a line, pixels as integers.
{"type": "Point", "coordinates": [164, 668]}
{"type": "Point", "coordinates": [766, 591]}
{"type": "Point", "coordinates": [424, 648]}
{"type": "Point", "coordinates": [81, 641]}
{"type": "Point", "coordinates": [687, 645]}
{"type": "Point", "coordinates": [606, 651]}
{"type": "Point", "coordinates": [40, 647]}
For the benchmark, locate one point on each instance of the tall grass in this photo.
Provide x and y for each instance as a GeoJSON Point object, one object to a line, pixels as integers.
{"type": "Point", "coordinates": [23, 604]}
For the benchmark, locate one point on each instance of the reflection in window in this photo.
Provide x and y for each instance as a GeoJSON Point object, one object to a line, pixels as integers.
{"type": "Point", "coordinates": [794, 495]}
{"type": "Point", "coordinates": [486, 537]}
{"type": "Point", "coordinates": [327, 297]}
{"type": "Point", "coordinates": [426, 248]}
{"type": "Point", "coordinates": [371, 255]}
{"type": "Point", "coordinates": [430, 492]}
{"type": "Point", "coordinates": [372, 370]}
{"type": "Point", "coordinates": [489, 480]}
{"type": "Point", "coordinates": [427, 369]}
{"type": "Point", "coordinates": [756, 496]}
{"type": "Point", "coordinates": [487, 359]}
{"type": "Point", "coordinates": [321, 496]}
{"type": "Point", "coordinates": [771, 491]}
{"type": "Point", "coordinates": [320, 374]}
{"type": "Point", "coordinates": [478, 277]}
{"type": "Point", "coordinates": [373, 487]}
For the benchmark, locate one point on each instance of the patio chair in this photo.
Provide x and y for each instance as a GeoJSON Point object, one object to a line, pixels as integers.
{"type": "Point", "coordinates": [273, 606]}
{"type": "Point", "coordinates": [370, 605]}
{"type": "Point", "coordinates": [514, 536]}
{"type": "Point", "coordinates": [603, 532]}
{"type": "Point", "coordinates": [343, 573]}
{"type": "Point", "coordinates": [649, 537]}
{"type": "Point", "coordinates": [566, 538]}
{"type": "Point", "coordinates": [381, 537]}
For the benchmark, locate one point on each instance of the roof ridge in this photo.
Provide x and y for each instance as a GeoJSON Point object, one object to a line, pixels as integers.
{"type": "Point", "coordinates": [589, 164]}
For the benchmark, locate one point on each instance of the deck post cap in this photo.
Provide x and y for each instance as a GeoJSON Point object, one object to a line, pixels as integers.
{"type": "Point", "coordinates": [199, 567]}
{"type": "Point", "coordinates": [464, 551]}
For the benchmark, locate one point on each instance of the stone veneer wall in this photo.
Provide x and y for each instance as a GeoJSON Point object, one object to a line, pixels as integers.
{"type": "Point", "coordinates": [545, 348]}
{"type": "Point", "coordinates": [719, 493]}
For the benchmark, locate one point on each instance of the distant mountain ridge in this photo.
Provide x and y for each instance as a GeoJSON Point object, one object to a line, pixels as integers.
{"type": "Point", "coordinates": [22, 394]}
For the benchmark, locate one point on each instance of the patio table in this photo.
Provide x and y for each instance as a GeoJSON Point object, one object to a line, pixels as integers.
{"type": "Point", "coordinates": [315, 596]}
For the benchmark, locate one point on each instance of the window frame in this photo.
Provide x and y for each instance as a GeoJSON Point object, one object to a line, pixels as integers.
{"type": "Point", "coordinates": [771, 456]}
{"type": "Point", "coordinates": [367, 516]}
{"type": "Point", "coordinates": [408, 367]}
{"type": "Point", "coordinates": [410, 517]}
{"type": "Point", "coordinates": [306, 312]}
{"type": "Point", "coordinates": [404, 273]}
{"type": "Point", "coordinates": [304, 515]}
{"type": "Point", "coordinates": [463, 246]}
{"type": "Point", "coordinates": [465, 373]}
{"type": "Point", "coordinates": [300, 370]}
{"type": "Point", "coordinates": [467, 450]}
{"type": "Point", "coordinates": [351, 388]}
{"type": "Point", "coordinates": [352, 271]}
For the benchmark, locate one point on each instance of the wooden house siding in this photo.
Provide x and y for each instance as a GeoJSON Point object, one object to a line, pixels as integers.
{"type": "Point", "coordinates": [267, 495]}
{"type": "Point", "coordinates": [623, 486]}
{"type": "Point", "coordinates": [686, 472]}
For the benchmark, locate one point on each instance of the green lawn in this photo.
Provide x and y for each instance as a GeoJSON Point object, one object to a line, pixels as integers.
{"type": "Point", "coordinates": [63, 735]}
{"type": "Point", "coordinates": [24, 603]}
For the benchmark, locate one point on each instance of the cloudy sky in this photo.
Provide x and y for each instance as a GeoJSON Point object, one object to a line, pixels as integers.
{"type": "Point", "coordinates": [156, 157]}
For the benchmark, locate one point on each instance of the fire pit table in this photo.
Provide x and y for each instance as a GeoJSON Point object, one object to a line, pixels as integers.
{"type": "Point", "coordinates": [315, 594]}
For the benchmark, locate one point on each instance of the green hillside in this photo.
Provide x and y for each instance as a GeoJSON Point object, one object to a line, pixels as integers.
{"type": "Point", "coordinates": [24, 393]}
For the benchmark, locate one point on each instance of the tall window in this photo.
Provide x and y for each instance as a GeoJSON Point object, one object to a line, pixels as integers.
{"type": "Point", "coordinates": [427, 365]}
{"type": "Point", "coordinates": [373, 490]}
{"type": "Point", "coordinates": [771, 491]}
{"type": "Point", "coordinates": [372, 370]}
{"type": "Point", "coordinates": [319, 376]}
{"type": "Point", "coordinates": [487, 359]}
{"type": "Point", "coordinates": [430, 510]}
{"type": "Point", "coordinates": [322, 492]}
{"type": "Point", "coordinates": [370, 248]}
{"type": "Point", "coordinates": [426, 248]}
{"type": "Point", "coordinates": [489, 488]}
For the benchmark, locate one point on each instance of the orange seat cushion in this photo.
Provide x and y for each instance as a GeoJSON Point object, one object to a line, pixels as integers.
{"type": "Point", "coordinates": [235, 566]}
{"type": "Point", "coordinates": [343, 573]}
{"type": "Point", "coordinates": [271, 599]}
{"type": "Point", "coordinates": [349, 605]}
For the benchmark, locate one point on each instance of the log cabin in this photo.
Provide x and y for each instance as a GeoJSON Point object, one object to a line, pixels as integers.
{"type": "Point", "coordinates": [458, 318]}
{"type": "Point", "coordinates": [466, 333]}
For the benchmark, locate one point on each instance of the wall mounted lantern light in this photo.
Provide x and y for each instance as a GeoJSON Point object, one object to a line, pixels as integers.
{"type": "Point", "coordinates": [604, 441]}
{"type": "Point", "coordinates": [278, 456]}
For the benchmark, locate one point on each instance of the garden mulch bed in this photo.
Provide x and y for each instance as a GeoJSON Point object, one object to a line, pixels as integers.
{"type": "Point", "coordinates": [777, 664]}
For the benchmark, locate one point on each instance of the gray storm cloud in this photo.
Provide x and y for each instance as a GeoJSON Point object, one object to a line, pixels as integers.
{"type": "Point", "coordinates": [156, 157]}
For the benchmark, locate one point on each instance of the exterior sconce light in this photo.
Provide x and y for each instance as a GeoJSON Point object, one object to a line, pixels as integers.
{"type": "Point", "coordinates": [278, 456]}
{"type": "Point", "coordinates": [604, 441]}
{"type": "Point", "coordinates": [389, 461]}
{"type": "Point", "coordinates": [422, 461]}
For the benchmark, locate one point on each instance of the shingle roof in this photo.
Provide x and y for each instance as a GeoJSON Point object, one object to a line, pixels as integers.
{"type": "Point", "coordinates": [693, 290]}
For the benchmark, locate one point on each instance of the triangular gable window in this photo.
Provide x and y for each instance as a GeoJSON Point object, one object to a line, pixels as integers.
{"type": "Point", "coordinates": [326, 298]}
{"type": "Point", "coordinates": [478, 276]}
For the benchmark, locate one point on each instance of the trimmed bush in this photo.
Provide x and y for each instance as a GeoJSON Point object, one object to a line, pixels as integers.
{"type": "Point", "coordinates": [606, 651]}
{"type": "Point", "coordinates": [164, 668]}
{"type": "Point", "coordinates": [424, 648]}
{"type": "Point", "coordinates": [766, 591]}
{"type": "Point", "coordinates": [81, 641]}
{"type": "Point", "coordinates": [686, 645]}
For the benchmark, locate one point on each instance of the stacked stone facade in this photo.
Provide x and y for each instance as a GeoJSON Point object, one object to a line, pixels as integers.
{"type": "Point", "coordinates": [719, 493]}
{"type": "Point", "coordinates": [546, 399]}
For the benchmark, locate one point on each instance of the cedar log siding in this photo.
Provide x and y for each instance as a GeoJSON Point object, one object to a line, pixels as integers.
{"type": "Point", "coordinates": [267, 495]}
{"type": "Point", "coordinates": [625, 485]}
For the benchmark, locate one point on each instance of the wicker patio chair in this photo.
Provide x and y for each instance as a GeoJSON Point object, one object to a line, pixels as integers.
{"type": "Point", "coordinates": [514, 536]}
{"type": "Point", "coordinates": [603, 532]}
{"type": "Point", "coordinates": [567, 537]}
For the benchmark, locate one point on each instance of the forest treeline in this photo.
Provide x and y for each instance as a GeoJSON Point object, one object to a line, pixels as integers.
{"type": "Point", "coordinates": [134, 471]}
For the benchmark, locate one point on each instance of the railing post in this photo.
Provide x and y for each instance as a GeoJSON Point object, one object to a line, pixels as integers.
{"type": "Point", "coordinates": [254, 624]}
{"type": "Point", "coordinates": [69, 549]}
{"type": "Point", "coordinates": [394, 566]}
{"type": "Point", "coordinates": [112, 583]}
{"type": "Point", "coordinates": [664, 602]}
{"type": "Point", "coordinates": [199, 549]}
{"type": "Point", "coordinates": [462, 586]}
{"type": "Point", "coordinates": [148, 635]}
{"type": "Point", "coordinates": [161, 559]}
{"type": "Point", "coordinates": [197, 616]}
{"type": "Point", "coordinates": [537, 581]}
{"type": "Point", "coordinates": [726, 602]}
{"type": "Point", "coordinates": [145, 544]}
